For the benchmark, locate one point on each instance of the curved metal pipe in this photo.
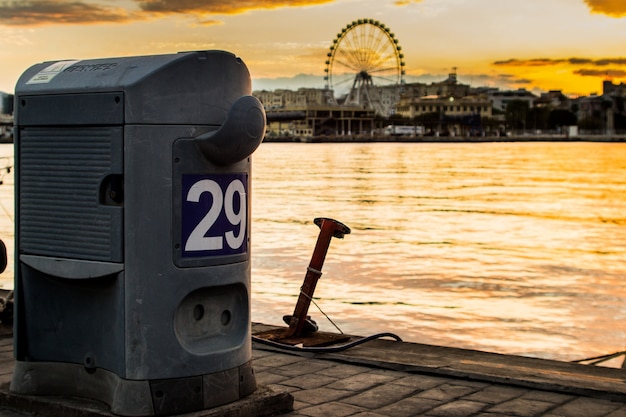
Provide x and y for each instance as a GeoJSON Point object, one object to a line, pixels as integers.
{"type": "Point", "coordinates": [239, 136]}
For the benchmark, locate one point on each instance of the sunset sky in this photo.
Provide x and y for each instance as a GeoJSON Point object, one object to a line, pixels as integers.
{"type": "Point", "coordinates": [540, 45]}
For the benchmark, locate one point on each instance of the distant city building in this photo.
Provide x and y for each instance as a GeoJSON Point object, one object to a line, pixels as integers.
{"type": "Point", "coordinates": [306, 112]}
{"type": "Point", "coordinates": [311, 120]}
{"type": "Point", "coordinates": [449, 87]}
{"type": "Point", "coordinates": [595, 113]}
{"type": "Point", "coordinates": [501, 99]}
{"type": "Point", "coordinates": [447, 115]}
{"type": "Point", "coordinates": [280, 99]}
{"type": "Point", "coordinates": [446, 106]}
{"type": "Point", "coordinates": [553, 99]}
{"type": "Point", "coordinates": [440, 108]}
{"type": "Point", "coordinates": [608, 88]}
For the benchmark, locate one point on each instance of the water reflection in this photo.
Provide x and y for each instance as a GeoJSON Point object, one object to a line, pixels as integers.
{"type": "Point", "coordinates": [514, 248]}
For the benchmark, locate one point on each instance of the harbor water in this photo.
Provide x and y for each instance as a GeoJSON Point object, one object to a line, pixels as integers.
{"type": "Point", "coordinates": [515, 248]}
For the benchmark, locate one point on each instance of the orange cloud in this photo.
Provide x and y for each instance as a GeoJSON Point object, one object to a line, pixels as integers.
{"type": "Point", "coordinates": [613, 8]}
{"type": "Point", "coordinates": [220, 6]}
{"type": "Point", "coordinates": [535, 62]}
{"type": "Point", "coordinates": [543, 62]}
{"type": "Point", "coordinates": [601, 73]}
{"type": "Point", "coordinates": [41, 12]}
{"type": "Point", "coordinates": [511, 79]}
{"type": "Point", "coordinates": [50, 12]}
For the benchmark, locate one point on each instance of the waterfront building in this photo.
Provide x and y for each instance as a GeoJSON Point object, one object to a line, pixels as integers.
{"type": "Point", "coordinates": [302, 122]}
{"type": "Point", "coordinates": [307, 112]}
{"type": "Point", "coordinates": [553, 99]}
{"type": "Point", "coordinates": [282, 98]}
{"type": "Point", "coordinates": [450, 87]}
{"type": "Point", "coordinates": [602, 114]}
{"type": "Point", "coordinates": [596, 114]}
{"type": "Point", "coordinates": [501, 99]}
{"type": "Point", "coordinates": [451, 106]}
{"type": "Point", "coordinates": [608, 88]}
{"type": "Point", "coordinates": [447, 115]}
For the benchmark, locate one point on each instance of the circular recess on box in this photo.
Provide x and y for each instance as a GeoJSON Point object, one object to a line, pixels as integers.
{"type": "Point", "coordinates": [212, 319]}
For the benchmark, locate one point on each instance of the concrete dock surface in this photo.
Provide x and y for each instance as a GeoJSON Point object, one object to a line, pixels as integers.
{"type": "Point", "coordinates": [383, 378]}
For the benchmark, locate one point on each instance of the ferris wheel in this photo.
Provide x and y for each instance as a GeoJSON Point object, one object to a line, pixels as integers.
{"type": "Point", "coordinates": [364, 55]}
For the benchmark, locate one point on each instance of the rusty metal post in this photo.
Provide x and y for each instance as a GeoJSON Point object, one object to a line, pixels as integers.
{"type": "Point", "coordinates": [329, 228]}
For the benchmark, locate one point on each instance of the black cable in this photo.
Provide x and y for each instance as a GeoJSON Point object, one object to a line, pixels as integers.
{"type": "Point", "coordinates": [325, 349]}
{"type": "Point", "coordinates": [603, 358]}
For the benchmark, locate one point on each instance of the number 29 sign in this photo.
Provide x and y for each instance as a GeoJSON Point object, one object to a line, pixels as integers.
{"type": "Point", "coordinates": [214, 215]}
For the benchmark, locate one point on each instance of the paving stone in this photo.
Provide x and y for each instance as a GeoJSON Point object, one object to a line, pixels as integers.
{"type": "Point", "coordinates": [299, 405]}
{"type": "Point", "coordinates": [620, 412]}
{"type": "Point", "coordinates": [410, 406]}
{"type": "Point", "coordinates": [585, 407]}
{"type": "Point", "coordinates": [269, 378]}
{"type": "Point", "coordinates": [360, 382]}
{"type": "Point", "coordinates": [277, 360]}
{"type": "Point", "coordinates": [460, 408]}
{"type": "Point", "coordinates": [343, 371]}
{"type": "Point", "coordinates": [477, 385]}
{"type": "Point", "coordinates": [258, 354]}
{"type": "Point", "coordinates": [331, 409]}
{"type": "Point", "coordinates": [302, 368]}
{"type": "Point", "coordinates": [309, 381]}
{"type": "Point", "coordinates": [285, 388]}
{"type": "Point", "coordinates": [549, 397]}
{"type": "Point", "coordinates": [496, 394]}
{"type": "Point", "coordinates": [422, 382]}
{"type": "Point", "coordinates": [387, 372]}
{"type": "Point", "coordinates": [447, 392]}
{"type": "Point", "coordinates": [320, 395]}
{"type": "Point", "coordinates": [380, 396]}
{"type": "Point", "coordinates": [520, 407]}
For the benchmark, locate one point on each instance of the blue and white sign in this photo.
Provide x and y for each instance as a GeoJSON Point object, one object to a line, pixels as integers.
{"type": "Point", "coordinates": [214, 215]}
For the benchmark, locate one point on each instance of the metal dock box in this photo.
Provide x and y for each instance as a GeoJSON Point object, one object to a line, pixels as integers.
{"type": "Point", "coordinates": [132, 260]}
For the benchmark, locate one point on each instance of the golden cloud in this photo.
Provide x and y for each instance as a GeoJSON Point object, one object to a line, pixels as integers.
{"type": "Point", "coordinates": [613, 8]}
{"type": "Point", "coordinates": [49, 12]}
{"type": "Point", "coordinates": [42, 12]}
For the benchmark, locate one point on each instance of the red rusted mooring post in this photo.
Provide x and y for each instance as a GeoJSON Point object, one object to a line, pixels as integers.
{"type": "Point", "coordinates": [329, 228]}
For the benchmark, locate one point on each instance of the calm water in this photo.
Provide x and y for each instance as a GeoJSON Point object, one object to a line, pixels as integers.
{"type": "Point", "coordinates": [505, 247]}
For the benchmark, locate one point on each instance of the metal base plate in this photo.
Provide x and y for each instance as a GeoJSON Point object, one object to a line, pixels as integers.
{"type": "Point", "coordinates": [317, 339]}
